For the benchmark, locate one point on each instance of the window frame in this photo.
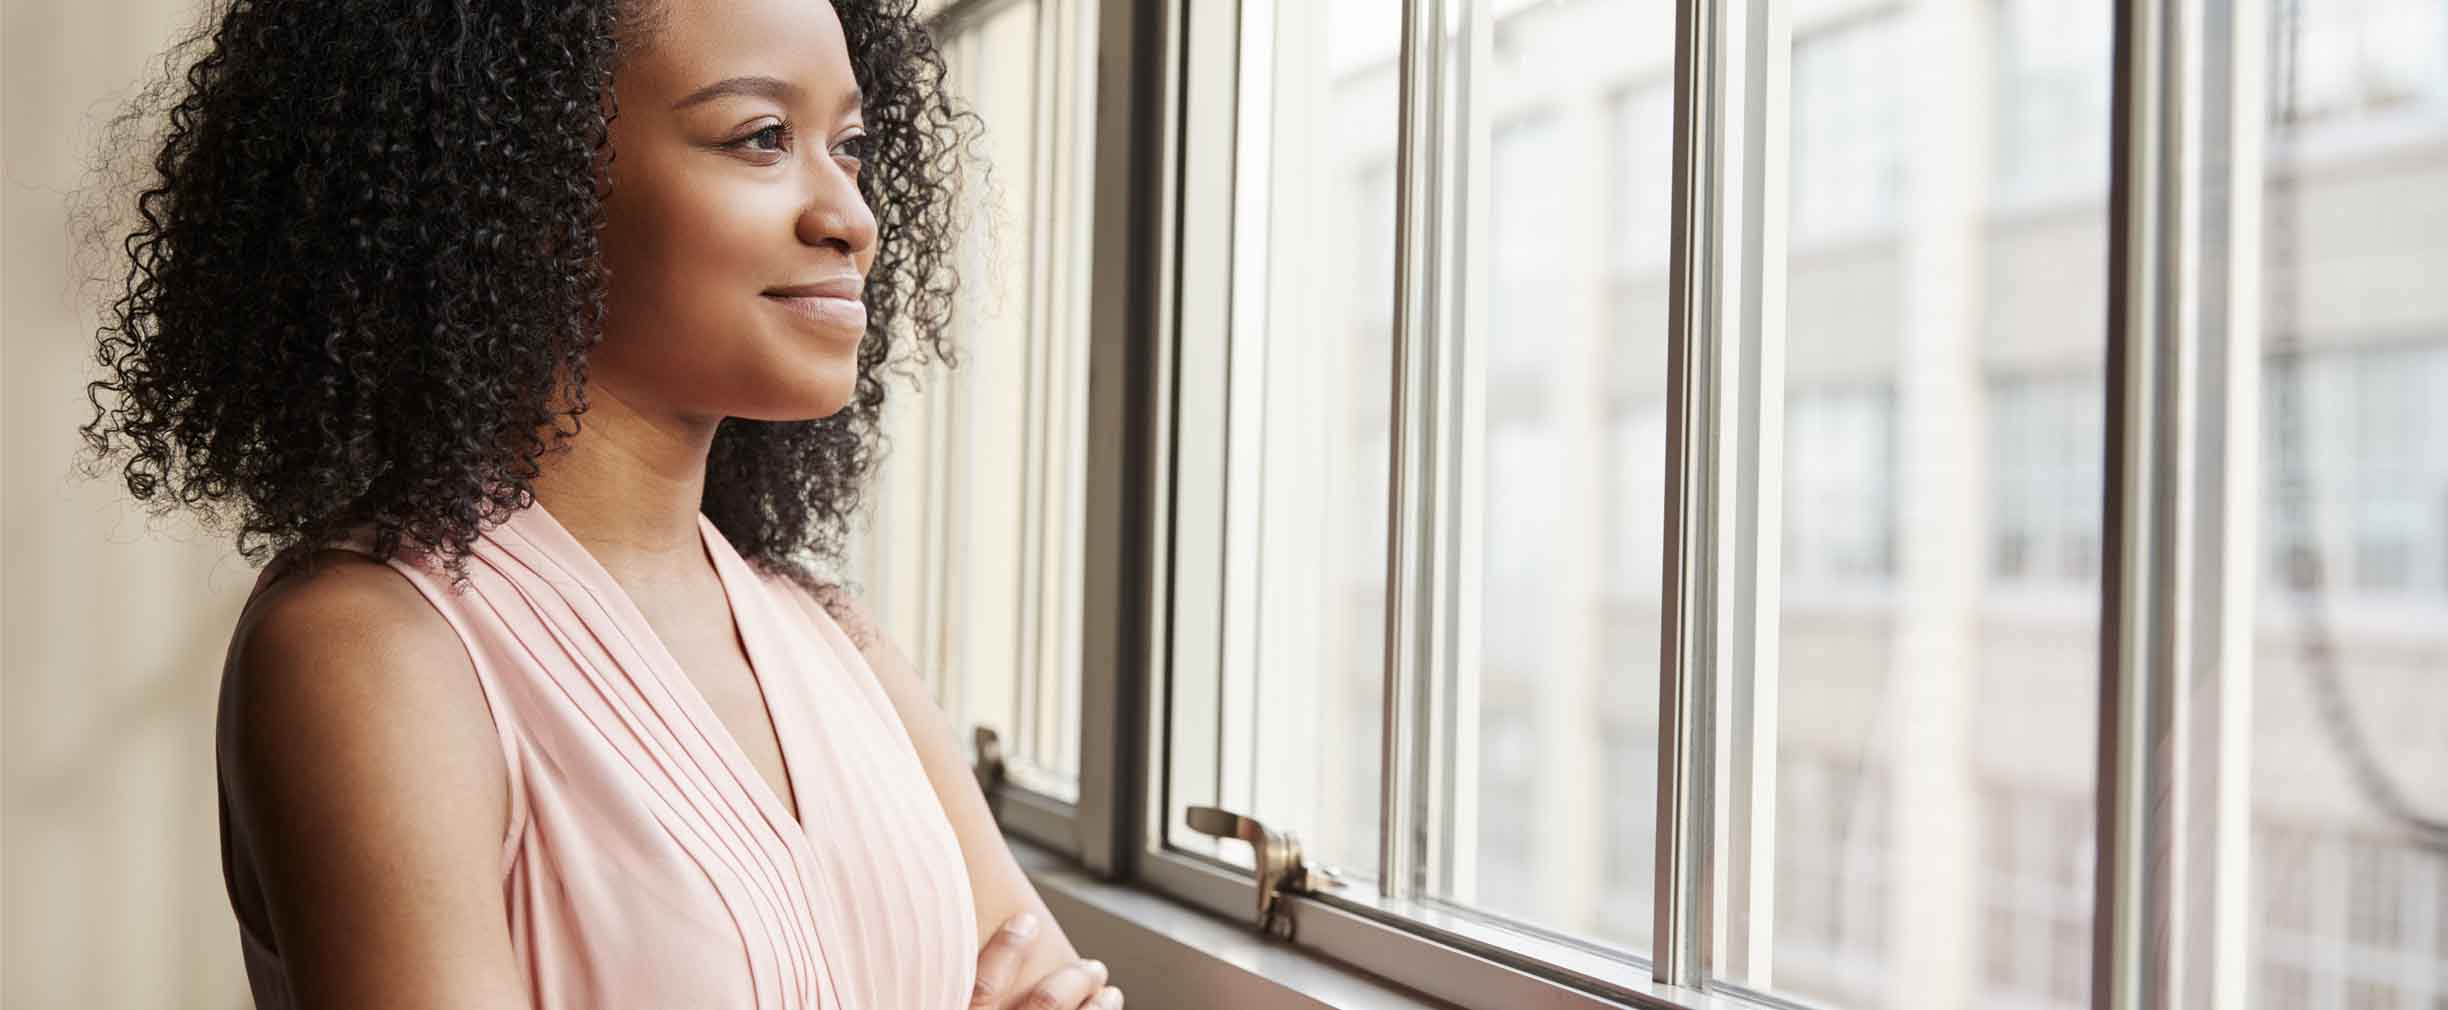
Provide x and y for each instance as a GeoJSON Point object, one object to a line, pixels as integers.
{"type": "Point", "coordinates": [1027, 803]}
{"type": "Point", "coordinates": [2174, 628]}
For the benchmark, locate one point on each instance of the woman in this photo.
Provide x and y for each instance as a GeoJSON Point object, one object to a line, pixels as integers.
{"type": "Point", "coordinates": [525, 709]}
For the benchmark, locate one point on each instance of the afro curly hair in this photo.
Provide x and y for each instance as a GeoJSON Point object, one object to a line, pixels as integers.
{"type": "Point", "coordinates": [363, 269]}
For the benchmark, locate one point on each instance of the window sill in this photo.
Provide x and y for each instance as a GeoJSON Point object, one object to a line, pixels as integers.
{"type": "Point", "coordinates": [1168, 956]}
{"type": "Point", "coordinates": [1172, 955]}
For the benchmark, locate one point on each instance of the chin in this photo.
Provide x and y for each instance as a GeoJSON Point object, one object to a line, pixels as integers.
{"type": "Point", "coordinates": [813, 401]}
{"type": "Point", "coordinates": [800, 384]}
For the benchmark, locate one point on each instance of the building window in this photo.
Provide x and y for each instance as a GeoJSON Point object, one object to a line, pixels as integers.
{"type": "Point", "coordinates": [2052, 99]}
{"type": "Point", "coordinates": [2347, 921]}
{"type": "Point", "coordinates": [1528, 214]}
{"type": "Point", "coordinates": [2036, 896]}
{"type": "Point", "coordinates": [1642, 145]}
{"type": "Point", "coordinates": [2355, 482]}
{"type": "Point", "coordinates": [1637, 450]}
{"type": "Point", "coordinates": [1847, 156]}
{"type": "Point", "coordinates": [1839, 491]}
{"type": "Point", "coordinates": [1831, 866]}
{"type": "Point", "coordinates": [2045, 473]}
{"type": "Point", "coordinates": [2353, 57]}
{"type": "Point", "coordinates": [1508, 812]}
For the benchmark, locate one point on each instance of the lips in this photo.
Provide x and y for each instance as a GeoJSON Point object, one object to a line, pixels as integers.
{"type": "Point", "coordinates": [834, 302]}
{"type": "Point", "coordinates": [847, 314]}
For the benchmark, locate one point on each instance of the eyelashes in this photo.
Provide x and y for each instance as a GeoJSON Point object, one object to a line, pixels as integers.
{"type": "Point", "coordinates": [853, 147]}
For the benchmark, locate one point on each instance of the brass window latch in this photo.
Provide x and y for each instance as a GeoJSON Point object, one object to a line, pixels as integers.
{"type": "Point", "coordinates": [1278, 858]}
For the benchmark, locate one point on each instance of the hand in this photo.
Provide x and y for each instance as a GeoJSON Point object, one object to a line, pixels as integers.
{"type": "Point", "coordinates": [1076, 986]}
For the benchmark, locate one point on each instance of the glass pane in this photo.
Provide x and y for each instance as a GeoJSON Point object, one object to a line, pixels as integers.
{"type": "Point", "coordinates": [974, 534]}
{"type": "Point", "coordinates": [1925, 734]}
{"type": "Point", "coordinates": [2349, 766]}
{"type": "Point", "coordinates": [1293, 711]}
{"type": "Point", "coordinates": [1553, 796]}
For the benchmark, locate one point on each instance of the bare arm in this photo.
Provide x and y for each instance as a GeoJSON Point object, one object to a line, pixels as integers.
{"type": "Point", "coordinates": [1000, 888]}
{"type": "Point", "coordinates": [365, 775]}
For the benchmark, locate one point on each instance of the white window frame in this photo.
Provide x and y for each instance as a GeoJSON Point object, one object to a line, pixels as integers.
{"type": "Point", "coordinates": [1041, 806]}
{"type": "Point", "coordinates": [2178, 558]}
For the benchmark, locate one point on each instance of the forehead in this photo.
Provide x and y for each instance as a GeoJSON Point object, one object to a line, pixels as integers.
{"type": "Point", "coordinates": [696, 42]}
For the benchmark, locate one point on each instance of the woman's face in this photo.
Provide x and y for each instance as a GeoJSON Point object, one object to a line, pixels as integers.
{"type": "Point", "coordinates": [735, 238]}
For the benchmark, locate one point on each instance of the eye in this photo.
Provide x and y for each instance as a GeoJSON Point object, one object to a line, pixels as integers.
{"type": "Point", "coordinates": [780, 131]}
{"type": "Point", "coordinates": [854, 149]}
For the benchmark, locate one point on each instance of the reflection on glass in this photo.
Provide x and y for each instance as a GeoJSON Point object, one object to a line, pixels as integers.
{"type": "Point", "coordinates": [1295, 713]}
{"type": "Point", "coordinates": [1937, 591]}
{"type": "Point", "coordinates": [1554, 794]}
{"type": "Point", "coordinates": [973, 543]}
{"type": "Point", "coordinates": [2349, 764]}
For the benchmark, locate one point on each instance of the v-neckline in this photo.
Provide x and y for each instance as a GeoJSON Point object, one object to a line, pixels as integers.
{"type": "Point", "coordinates": [665, 667]}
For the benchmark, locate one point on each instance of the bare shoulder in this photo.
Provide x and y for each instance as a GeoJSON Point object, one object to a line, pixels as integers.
{"type": "Point", "coordinates": [367, 784]}
{"type": "Point", "coordinates": [339, 648]}
{"type": "Point", "coordinates": [344, 599]}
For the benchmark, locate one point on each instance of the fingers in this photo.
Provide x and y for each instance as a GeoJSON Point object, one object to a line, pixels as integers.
{"type": "Point", "coordinates": [1067, 989]}
{"type": "Point", "coordinates": [1108, 998]}
{"type": "Point", "coordinates": [1001, 959]}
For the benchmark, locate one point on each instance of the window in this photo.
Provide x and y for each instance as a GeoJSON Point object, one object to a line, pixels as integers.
{"type": "Point", "coordinates": [1938, 385]}
{"type": "Point", "coordinates": [1547, 434]}
{"type": "Point", "coordinates": [1461, 487]}
{"type": "Point", "coordinates": [1278, 634]}
{"type": "Point", "coordinates": [2052, 101]}
{"type": "Point", "coordinates": [2357, 496]}
{"type": "Point", "coordinates": [1643, 189]}
{"type": "Point", "coordinates": [2350, 58]}
{"type": "Point", "coordinates": [2044, 481]}
{"type": "Point", "coordinates": [2351, 617]}
{"type": "Point", "coordinates": [1528, 214]}
{"type": "Point", "coordinates": [2347, 921]}
{"type": "Point", "coordinates": [1847, 148]}
{"type": "Point", "coordinates": [1839, 478]}
{"type": "Point", "coordinates": [1627, 873]}
{"type": "Point", "coordinates": [974, 538]}
{"type": "Point", "coordinates": [2036, 859]}
{"type": "Point", "coordinates": [1833, 849]}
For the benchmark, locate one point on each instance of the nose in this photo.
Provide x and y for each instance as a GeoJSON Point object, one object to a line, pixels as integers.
{"type": "Point", "coordinates": [837, 215]}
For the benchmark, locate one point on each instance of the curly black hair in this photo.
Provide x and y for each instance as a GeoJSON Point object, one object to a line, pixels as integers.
{"type": "Point", "coordinates": [364, 269]}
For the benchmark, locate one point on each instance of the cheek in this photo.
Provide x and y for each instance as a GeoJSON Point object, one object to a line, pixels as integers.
{"type": "Point", "coordinates": [690, 237]}
{"type": "Point", "coordinates": [687, 258]}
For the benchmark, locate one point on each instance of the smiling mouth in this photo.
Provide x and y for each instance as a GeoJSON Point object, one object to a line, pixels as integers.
{"type": "Point", "coordinates": [844, 314]}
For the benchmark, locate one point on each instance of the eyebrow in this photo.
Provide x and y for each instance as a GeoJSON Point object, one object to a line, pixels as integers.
{"type": "Point", "coordinates": [757, 86]}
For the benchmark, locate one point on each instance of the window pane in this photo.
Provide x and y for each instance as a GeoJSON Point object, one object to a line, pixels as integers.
{"type": "Point", "coordinates": [2350, 893]}
{"type": "Point", "coordinates": [973, 543]}
{"type": "Point", "coordinates": [1552, 819]}
{"type": "Point", "coordinates": [1287, 727]}
{"type": "Point", "coordinates": [1934, 628]}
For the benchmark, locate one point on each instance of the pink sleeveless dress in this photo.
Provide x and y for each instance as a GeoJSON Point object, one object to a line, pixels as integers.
{"type": "Point", "coordinates": [647, 863]}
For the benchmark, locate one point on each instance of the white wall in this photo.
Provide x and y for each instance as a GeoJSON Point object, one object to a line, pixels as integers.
{"type": "Point", "coordinates": [115, 625]}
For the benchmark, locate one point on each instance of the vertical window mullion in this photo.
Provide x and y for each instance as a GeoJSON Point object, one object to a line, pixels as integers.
{"type": "Point", "coordinates": [1428, 819]}
{"type": "Point", "coordinates": [1746, 863]}
{"type": "Point", "coordinates": [1123, 583]}
{"type": "Point", "coordinates": [1127, 575]}
{"type": "Point", "coordinates": [2125, 912]}
{"type": "Point", "coordinates": [1427, 816]}
{"type": "Point", "coordinates": [2211, 948]}
{"type": "Point", "coordinates": [1398, 857]}
{"type": "Point", "coordinates": [1687, 660]}
{"type": "Point", "coordinates": [2181, 508]}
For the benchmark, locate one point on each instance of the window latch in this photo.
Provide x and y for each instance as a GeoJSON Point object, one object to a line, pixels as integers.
{"type": "Point", "coordinates": [987, 763]}
{"type": "Point", "coordinates": [1280, 868]}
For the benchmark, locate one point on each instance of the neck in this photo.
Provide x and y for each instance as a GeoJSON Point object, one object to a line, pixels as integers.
{"type": "Point", "coordinates": [630, 486]}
